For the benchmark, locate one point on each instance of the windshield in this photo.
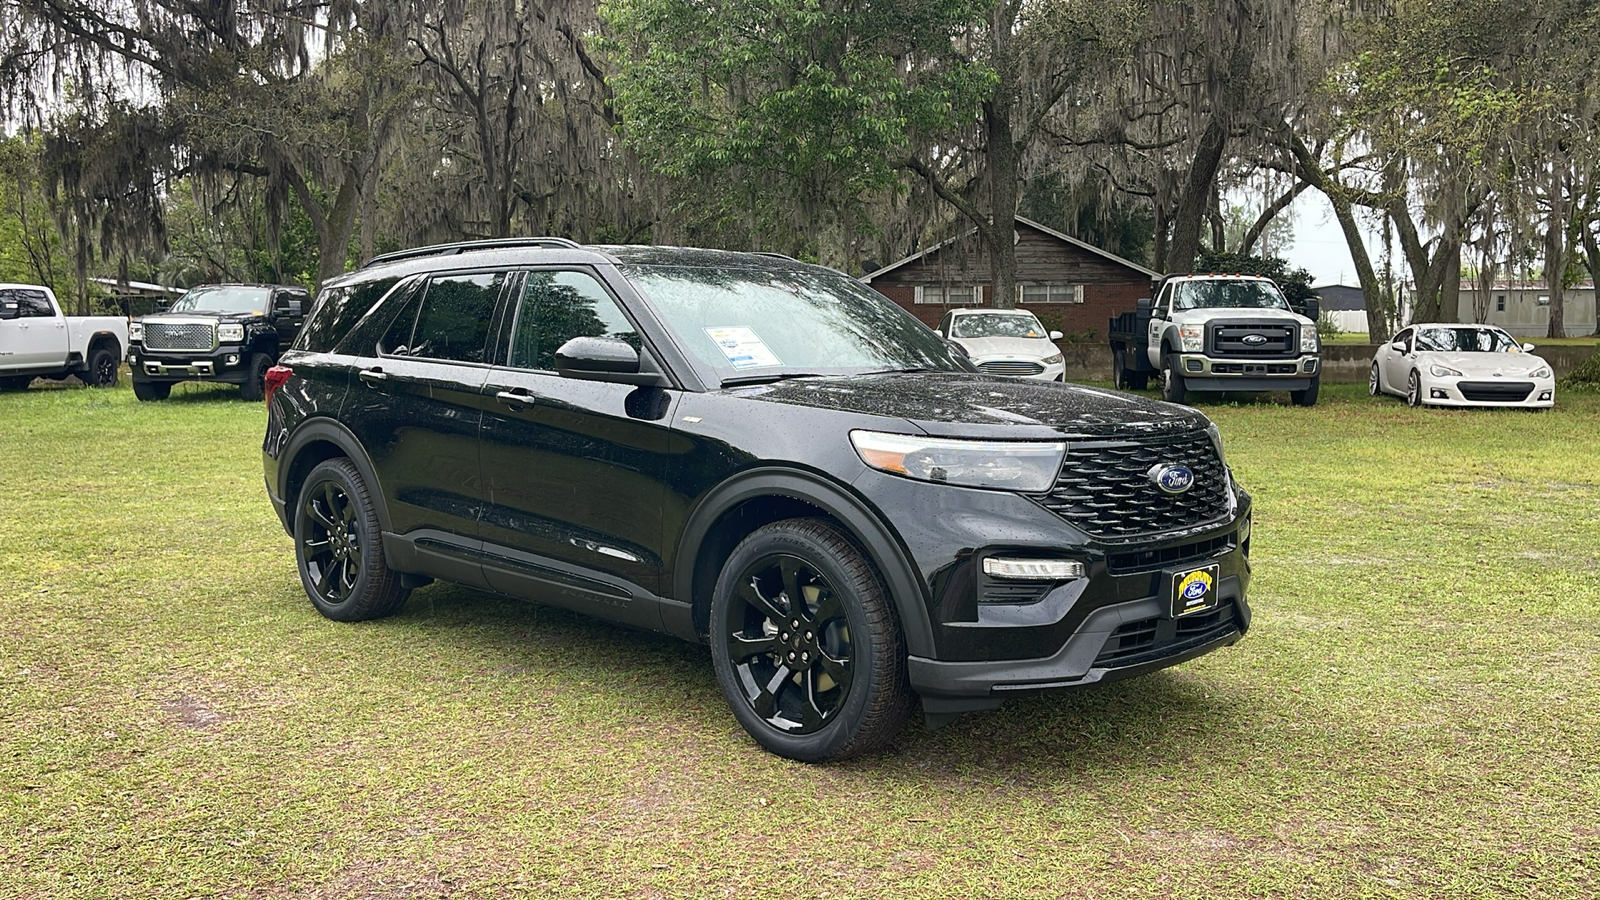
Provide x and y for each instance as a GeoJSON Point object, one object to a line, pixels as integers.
{"type": "Point", "coordinates": [982, 325]}
{"type": "Point", "coordinates": [1467, 340]}
{"type": "Point", "coordinates": [223, 300]}
{"type": "Point", "coordinates": [754, 321]}
{"type": "Point", "coordinates": [1228, 295]}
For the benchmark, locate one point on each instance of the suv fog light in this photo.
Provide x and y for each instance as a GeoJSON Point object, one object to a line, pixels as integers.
{"type": "Point", "coordinates": [1033, 569]}
{"type": "Point", "coordinates": [233, 359]}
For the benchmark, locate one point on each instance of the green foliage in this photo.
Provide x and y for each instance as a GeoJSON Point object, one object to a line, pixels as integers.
{"type": "Point", "coordinates": [1585, 378]}
{"type": "Point", "coordinates": [1295, 283]}
{"type": "Point", "coordinates": [1091, 211]}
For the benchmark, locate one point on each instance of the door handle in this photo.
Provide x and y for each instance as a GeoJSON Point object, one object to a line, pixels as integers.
{"type": "Point", "coordinates": [373, 377]}
{"type": "Point", "coordinates": [515, 399]}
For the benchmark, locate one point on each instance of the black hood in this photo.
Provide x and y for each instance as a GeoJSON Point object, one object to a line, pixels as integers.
{"type": "Point", "coordinates": [986, 406]}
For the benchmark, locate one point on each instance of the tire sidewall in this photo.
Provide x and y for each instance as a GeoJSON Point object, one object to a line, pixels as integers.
{"type": "Point", "coordinates": [1119, 375]}
{"type": "Point", "coordinates": [1172, 387]}
{"type": "Point", "coordinates": [1414, 389]}
{"type": "Point", "coordinates": [1374, 383]}
{"type": "Point", "coordinates": [831, 738]}
{"type": "Point", "coordinates": [92, 376]}
{"type": "Point", "coordinates": [254, 387]}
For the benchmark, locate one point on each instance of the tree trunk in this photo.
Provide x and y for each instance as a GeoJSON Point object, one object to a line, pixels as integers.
{"type": "Point", "coordinates": [1591, 252]}
{"type": "Point", "coordinates": [1555, 254]}
{"type": "Point", "coordinates": [1310, 169]}
{"type": "Point", "coordinates": [1196, 196]}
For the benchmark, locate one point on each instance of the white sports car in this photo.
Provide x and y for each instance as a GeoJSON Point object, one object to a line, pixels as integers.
{"type": "Point", "coordinates": [1462, 365]}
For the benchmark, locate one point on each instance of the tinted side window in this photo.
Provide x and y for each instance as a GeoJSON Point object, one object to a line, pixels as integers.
{"type": "Point", "coordinates": [337, 310]}
{"type": "Point", "coordinates": [557, 307]}
{"type": "Point", "coordinates": [455, 317]}
{"type": "Point", "coordinates": [35, 304]}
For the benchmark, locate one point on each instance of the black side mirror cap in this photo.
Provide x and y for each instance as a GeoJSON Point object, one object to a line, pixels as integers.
{"type": "Point", "coordinates": [604, 359]}
{"type": "Point", "coordinates": [1312, 308]}
{"type": "Point", "coordinates": [1144, 303]}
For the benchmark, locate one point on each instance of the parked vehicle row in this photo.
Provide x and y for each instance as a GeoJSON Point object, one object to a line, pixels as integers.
{"type": "Point", "coordinates": [229, 333]}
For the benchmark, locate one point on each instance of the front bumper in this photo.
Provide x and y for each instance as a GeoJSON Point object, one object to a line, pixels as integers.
{"type": "Point", "coordinates": [1206, 373]}
{"type": "Point", "coordinates": [1477, 390]}
{"type": "Point", "coordinates": [1048, 371]}
{"type": "Point", "coordinates": [229, 363]}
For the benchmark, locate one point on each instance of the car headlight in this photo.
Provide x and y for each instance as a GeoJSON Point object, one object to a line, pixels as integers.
{"type": "Point", "coordinates": [1028, 467]}
{"type": "Point", "coordinates": [1052, 360]}
{"type": "Point", "coordinates": [1308, 339]}
{"type": "Point", "coordinates": [1193, 337]}
{"type": "Point", "coordinates": [135, 331]}
{"type": "Point", "coordinates": [1439, 371]}
{"type": "Point", "coordinates": [230, 331]}
{"type": "Point", "coordinates": [1541, 372]}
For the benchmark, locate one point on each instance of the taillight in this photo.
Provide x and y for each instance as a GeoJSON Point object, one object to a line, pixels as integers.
{"type": "Point", "coordinates": [276, 376]}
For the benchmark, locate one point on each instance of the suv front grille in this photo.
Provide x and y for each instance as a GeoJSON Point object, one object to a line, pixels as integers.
{"type": "Point", "coordinates": [178, 336]}
{"type": "Point", "coordinates": [1011, 367]}
{"type": "Point", "coordinates": [1264, 340]}
{"type": "Point", "coordinates": [1106, 490]}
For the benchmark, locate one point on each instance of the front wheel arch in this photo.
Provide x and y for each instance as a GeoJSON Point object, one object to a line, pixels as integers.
{"type": "Point", "coordinates": [737, 507]}
{"type": "Point", "coordinates": [318, 440]}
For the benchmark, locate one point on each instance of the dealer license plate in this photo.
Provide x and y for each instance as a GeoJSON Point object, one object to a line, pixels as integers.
{"type": "Point", "coordinates": [1194, 590]}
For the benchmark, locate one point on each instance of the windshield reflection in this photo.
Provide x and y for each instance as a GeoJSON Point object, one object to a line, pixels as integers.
{"type": "Point", "coordinates": [1467, 340]}
{"type": "Point", "coordinates": [223, 300]}
{"type": "Point", "coordinates": [982, 325]}
{"type": "Point", "coordinates": [1228, 295]}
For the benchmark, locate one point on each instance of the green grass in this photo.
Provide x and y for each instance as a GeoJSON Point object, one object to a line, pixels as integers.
{"type": "Point", "coordinates": [1415, 712]}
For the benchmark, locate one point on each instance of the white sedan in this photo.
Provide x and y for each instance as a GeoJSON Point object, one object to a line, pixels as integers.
{"type": "Point", "coordinates": [1006, 342]}
{"type": "Point", "coordinates": [1462, 365]}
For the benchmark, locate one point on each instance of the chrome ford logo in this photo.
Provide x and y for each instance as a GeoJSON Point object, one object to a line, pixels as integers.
{"type": "Point", "coordinates": [1254, 340]}
{"type": "Point", "coordinates": [1195, 590]}
{"type": "Point", "coordinates": [1172, 479]}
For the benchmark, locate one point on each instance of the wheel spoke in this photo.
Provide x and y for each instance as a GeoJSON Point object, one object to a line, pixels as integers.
{"type": "Point", "coordinates": [810, 714]}
{"type": "Point", "coordinates": [741, 648]}
{"type": "Point", "coordinates": [766, 700]}
{"type": "Point", "coordinates": [789, 567]}
{"type": "Point", "coordinates": [837, 669]}
{"type": "Point", "coordinates": [320, 515]}
{"type": "Point", "coordinates": [349, 572]}
{"type": "Point", "coordinates": [828, 607]}
{"type": "Point", "coordinates": [324, 583]}
{"type": "Point", "coordinates": [316, 548]}
{"type": "Point", "coordinates": [750, 592]}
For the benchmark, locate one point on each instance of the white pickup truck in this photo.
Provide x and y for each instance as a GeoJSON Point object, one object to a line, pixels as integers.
{"type": "Point", "coordinates": [37, 341]}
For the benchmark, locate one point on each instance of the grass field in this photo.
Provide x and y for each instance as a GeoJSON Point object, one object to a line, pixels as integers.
{"type": "Point", "coordinates": [1415, 712]}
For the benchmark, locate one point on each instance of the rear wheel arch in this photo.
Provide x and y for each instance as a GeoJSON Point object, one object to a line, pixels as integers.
{"type": "Point", "coordinates": [104, 339]}
{"type": "Point", "coordinates": [313, 443]}
{"type": "Point", "coordinates": [736, 508]}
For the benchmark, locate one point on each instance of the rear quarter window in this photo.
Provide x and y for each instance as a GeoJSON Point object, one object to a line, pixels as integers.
{"type": "Point", "coordinates": [337, 310]}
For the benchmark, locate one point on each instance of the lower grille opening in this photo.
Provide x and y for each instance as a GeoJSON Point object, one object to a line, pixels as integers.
{"type": "Point", "coordinates": [1494, 391]}
{"type": "Point", "coordinates": [1147, 640]}
{"type": "Point", "coordinates": [1149, 560]}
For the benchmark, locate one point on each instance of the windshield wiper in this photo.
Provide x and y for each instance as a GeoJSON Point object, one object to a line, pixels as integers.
{"type": "Point", "coordinates": [767, 378]}
{"type": "Point", "coordinates": [908, 370]}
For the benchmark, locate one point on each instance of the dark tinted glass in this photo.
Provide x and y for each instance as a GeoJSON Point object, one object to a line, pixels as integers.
{"type": "Point", "coordinates": [35, 304]}
{"type": "Point", "coordinates": [454, 322]}
{"type": "Point", "coordinates": [337, 310]}
{"type": "Point", "coordinates": [557, 307]}
{"type": "Point", "coordinates": [224, 298]}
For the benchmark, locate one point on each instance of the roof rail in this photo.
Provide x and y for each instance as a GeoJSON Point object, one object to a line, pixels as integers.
{"type": "Point", "coordinates": [774, 254]}
{"type": "Point", "coordinates": [468, 246]}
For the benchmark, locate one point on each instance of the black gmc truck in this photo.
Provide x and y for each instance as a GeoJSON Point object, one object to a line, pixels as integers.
{"type": "Point", "coordinates": [230, 333]}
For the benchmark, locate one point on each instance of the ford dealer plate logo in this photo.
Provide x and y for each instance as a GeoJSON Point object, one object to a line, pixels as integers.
{"type": "Point", "coordinates": [1254, 340]}
{"type": "Point", "coordinates": [1172, 479]}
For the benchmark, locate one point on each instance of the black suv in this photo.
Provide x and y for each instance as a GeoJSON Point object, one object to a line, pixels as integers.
{"type": "Point", "coordinates": [762, 455]}
{"type": "Point", "coordinates": [230, 333]}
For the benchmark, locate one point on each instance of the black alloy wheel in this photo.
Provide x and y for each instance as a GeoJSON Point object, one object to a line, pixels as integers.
{"type": "Point", "coordinates": [102, 369]}
{"type": "Point", "coordinates": [1374, 386]}
{"type": "Point", "coordinates": [1413, 389]}
{"type": "Point", "coordinates": [805, 645]}
{"type": "Point", "coordinates": [338, 544]}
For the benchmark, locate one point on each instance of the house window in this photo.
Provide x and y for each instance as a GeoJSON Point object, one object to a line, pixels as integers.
{"type": "Point", "coordinates": [1499, 302]}
{"type": "Point", "coordinates": [1052, 293]}
{"type": "Point", "coordinates": [965, 295]}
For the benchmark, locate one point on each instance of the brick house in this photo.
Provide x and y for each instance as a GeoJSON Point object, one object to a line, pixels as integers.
{"type": "Point", "coordinates": [1072, 286]}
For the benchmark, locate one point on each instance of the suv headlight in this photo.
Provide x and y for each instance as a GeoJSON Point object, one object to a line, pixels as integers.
{"type": "Point", "coordinates": [1025, 467]}
{"type": "Point", "coordinates": [135, 331]}
{"type": "Point", "coordinates": [1439, 371]}
{"type": "Point", "coordinates": [1541, 372]}
{"type": "Point", "coordinates": [230, 331]}
{"type": "Point", "coordinates": [1193, 337]}
{"type": "Point", "coordinates": [1308, 339]}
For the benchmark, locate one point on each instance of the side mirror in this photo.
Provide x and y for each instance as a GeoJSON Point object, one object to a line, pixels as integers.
{"type": "Point", "coordinates": [1312, 308]}
{"type": "Point", "coordinates": [10, 309]}
{"type": "Point", "coordinates": [290, 308]}
{"type": "Point", "coordinates": [1527, 348]}
{"type": "Point", "coordinates": [1398, 346]}
{"type": "Point", "coordinates": [1056, 335]}
{"type": "Point", "coordinates": [1144, 303]}
{"type": "Point", "coordinates": [602, 359]}
{"type": "Point", "coordinates": [163, 305]}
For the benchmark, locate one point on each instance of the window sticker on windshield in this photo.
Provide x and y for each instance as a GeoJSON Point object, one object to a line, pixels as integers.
{"type": "Point", "coordinates": [742, 347]}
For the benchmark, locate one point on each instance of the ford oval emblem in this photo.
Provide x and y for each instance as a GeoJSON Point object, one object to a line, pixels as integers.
{"type": "Point", "coordinates": [1195, 590]}
{"type": "Point", "coordinates": [1172, 479]}
{"type": "Point", "coordinates": [1254, 340]}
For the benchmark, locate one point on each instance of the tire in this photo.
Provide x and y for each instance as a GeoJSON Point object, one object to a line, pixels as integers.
{"type": "Point", "coordinates": [1138, 380]}
{"type": "Point", "coordinates": [1173, 389]}
{"type": "Point", "coordinates": [254, 387]}
{"type": "Point", "coordinates": [15, 382]}
{"type": "Point", "coordinates": [847, 693]}
{"type": "Point", "coordinates": [1374, 382]}
{"type": "Point", "coordinates": [101, 372]}
{"type": "Point", "coordinates": [1414, 389]}
{"type": "Point", "coordinates": [152, 390]}
{"type": "Point", "coordinates": [1119, 369]}
{"type": "Point", "coordinates": [338, 547]}
{"type": "Point", "coordinates": [1307, 397]}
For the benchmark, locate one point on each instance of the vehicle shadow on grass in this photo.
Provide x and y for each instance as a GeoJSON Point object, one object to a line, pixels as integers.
{"type": "Point", "coordinates": [1152, 722]}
